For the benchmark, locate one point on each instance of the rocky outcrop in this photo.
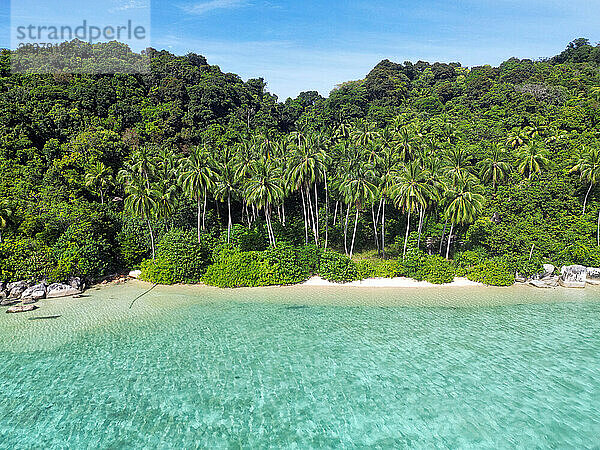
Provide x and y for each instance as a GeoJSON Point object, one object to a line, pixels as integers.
{"type": "Point", "coordinates": [34, 293]}
{"type": "Point", "coordinates": [593, 275]}
{"type": "Point", "coordinates": [56, 290]}
{"type": "Point", "coordinates": [21, 308]}
{"type": "Point", "coordinates": [545, 282]}
{"type": "Point", "coordinates": [573, 276]}
{"type": "Point", "coordinates": [17, 288]}
{"type": "Point", "coordinates": [548, 269]}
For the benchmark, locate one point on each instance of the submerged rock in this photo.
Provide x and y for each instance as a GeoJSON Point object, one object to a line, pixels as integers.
{"type": "Point", "coordinates": [9, 302]}
{"type": "Point", "coordinates": [21, 308]}
{"type": "Point", "coordinates": [34, 293]}
{"type": "Point", "coordinates": [56, 290]}
{"type": "Point", "coordinates": [573, 276]}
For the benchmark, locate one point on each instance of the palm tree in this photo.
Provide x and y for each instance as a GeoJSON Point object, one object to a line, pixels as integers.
{"type": "Point", "coordinates": [466, 204]}
{"type": "Point", "coordinates": [5, 215]}
{"type": "Point", "coordinates": [196, 177]}
{"type": "Point", "coordinates": [141, 202]}
{"type": "Point", "coordinates": [410, 192]}
{"type": "Point", "coordinates": [533, 158]}
{"type": "Point", "coordinates": [264, 188]}
{"type": "Point", "coordinates": [226, 185]}
{"type": "Point", "coordinates": [387, 164]}
{"type": "Point", "coordinates": [457, 162]}
{"type": "Point", "coordinates": [359, 188]}
{"type": "Point", "coordinates": [588, 165]}
{"type": "Point", "coordinates": [516, 138]}
{"type": "Point", "coordinates": [165, 198]}
{"type": "Point", "coordinates": [494, 168]}
{"type": "Point", "coordinates": [99, 179]}
{"type": "Point", "coordinates": [407, 142]}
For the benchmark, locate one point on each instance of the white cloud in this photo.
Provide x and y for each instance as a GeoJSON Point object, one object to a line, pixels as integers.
{"type": "Point", "coordinates": [125, 5]}
{"type": "Point", "coordinates": [204, 7]}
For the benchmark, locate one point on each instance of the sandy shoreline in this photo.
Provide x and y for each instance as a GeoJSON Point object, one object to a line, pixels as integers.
{"type": "Point", "coordinates": [398, 282]}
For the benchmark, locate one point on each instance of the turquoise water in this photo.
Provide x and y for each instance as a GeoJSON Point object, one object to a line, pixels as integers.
{"type": "Point", "coordinates": [304, 368]}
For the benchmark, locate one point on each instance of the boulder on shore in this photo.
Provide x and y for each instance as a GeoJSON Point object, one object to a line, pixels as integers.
{"type": "Point", "coordinates": [135, 274]}
{"type": "Point", "coordinates": [34, 293]}
{"type": "Point", "coordinates": [9, 302]}
{"type": "Point", "coordinates": [545, 283]}
{"type": "Point", "coordinates": [21, 308]}
{"type": "Point", "coordinates": [593, 275]}
{"type": "Point", "coordinates": [56, 290]}
{"type": "Point", "coordinates": [549, 269]}
{"type": "Point", "coordinates": [573, 276]}
{"type": "Point", "coordinates": [17, 288]}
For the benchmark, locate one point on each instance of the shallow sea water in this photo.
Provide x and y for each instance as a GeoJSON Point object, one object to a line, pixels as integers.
{"type": "Point", "coordinates": [304, 367]}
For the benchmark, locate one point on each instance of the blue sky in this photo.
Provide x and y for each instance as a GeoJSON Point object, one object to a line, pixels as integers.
{"type": "Point", "coordinates": [314, 45]}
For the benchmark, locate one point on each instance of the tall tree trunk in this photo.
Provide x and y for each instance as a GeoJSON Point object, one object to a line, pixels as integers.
{"type": "Point", "coordinates": [305, 217]}
{"type": "Point", "coordinates": [316, 216]}
{"type": "Point", "coordinates": [383, 229]}
{"type": "Point", "coordinates": [283, 211]}
{"type": "Point", "coordinates": [326, 211]}
{"type": "Point", "coordinates": [199, 220]}
{"type": "Point", "coordinates": [337, 202]}
{"type": "Point", "coordinates": [204, 210]}
{"type": "Point", "coordinates": [1, 237]}
{"type": "Point", "coordinates": [586, 197]}
{"type": "Point", "coordinates": [375, 229]}
{"type": "Point", "coordinates": [443, 234]}
{"type": "Point", "coordinates": [312, 215]}
{"type": "Point", "coordinates": [151, 238]}
{"type": "Point", "coordinates": [346, 229]}
{"type": "Point", "coordinates": [449, 241]}
{"type": "Point", "coordinates": [354, 233]}
{"type": "Point", "coordinates": [598, 228]}
{"type": "Point", "coordinates": [421, 216]}
{"type": "Point", "coordinates": [229, 223]}
{"type": "Point", "coordinates": [406, 236]}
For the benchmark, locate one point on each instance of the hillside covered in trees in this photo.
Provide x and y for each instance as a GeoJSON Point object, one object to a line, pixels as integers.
{"type": "Point", "coordinates": [425, 170]}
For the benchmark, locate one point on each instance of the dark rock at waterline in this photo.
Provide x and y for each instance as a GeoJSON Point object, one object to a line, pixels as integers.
{"type": "Point", "coordinates": [34, 293]}
{"type": "Point", "coordinates": [545, 282]}
{"type": "Point", "coordinates": [21, 308]}
{"type": "Point", "coordinates": [9, 302]}
{"type": "Point", "coordinates": [573, 276]}
{"type": "Point", "coordinates": [56, 290]}
{"type": "Point", "coordinates": [593, 275]}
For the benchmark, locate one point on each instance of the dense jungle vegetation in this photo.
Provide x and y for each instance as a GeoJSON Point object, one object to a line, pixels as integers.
{"type": "Point", "coordinates": [192, 174]}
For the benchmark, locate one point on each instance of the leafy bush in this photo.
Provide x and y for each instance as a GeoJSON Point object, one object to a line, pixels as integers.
{"type": "Point", "coordinates": [368, 268]}
{"type": "Point", "coordinates": [411, 265]}
{"type": "Point", "coordinates": [133, 242]}
{"type": "Point", "coordinates": [493, 272]}
{"type": "Point", "coordinates": [82, 251]}
{"type": "Point", "coordinates": [180, 259]}
{"type": "Point", "coordinates": [438, 270]}
{"type": "Point", "coordinates": [25, 259]}
{"type": "Point", "coordinates": [337, 268]}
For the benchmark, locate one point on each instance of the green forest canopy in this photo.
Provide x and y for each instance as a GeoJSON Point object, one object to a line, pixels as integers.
{"type": "Point", "coordinates": [97, 169]}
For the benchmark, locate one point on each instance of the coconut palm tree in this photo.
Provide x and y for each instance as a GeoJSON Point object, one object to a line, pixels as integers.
{"type": "Point", "coordinates": [196, 178]}
{"type": "Point", "coordinates": [588, 165]}
{"type": "Point", "coordinates": [99, 179]}
{"type": "Point", "coordinates": [516, 138]}
{"type": "Point", "coordinates": [457, 162]}
{"type": "Point", "coordinates": [410, 192]}
{"type": "Point", "coordinates": [264, 188]}
{"type": "Point", "coordinates": [408, 143]}
{"type": "Point", "coordinates": [388, 162]}
{"type": "Point", "coordinates": [533, 158]}
{"type": "Point", "coordinates": [5, 215]}
{"type": "Point", "coordinates": [140, 202]}
{"type": "Point", "coordinates": [466, 204]}
{"type": "Point", "coordinates": [359, 189]}
{"type": "Point", "coordinates": [494, 168]}
{"type": "Point", "coordinates": [226, 185]}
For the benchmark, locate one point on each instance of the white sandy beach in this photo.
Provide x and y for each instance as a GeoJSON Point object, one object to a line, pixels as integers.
{"type": "Point", "coordinates": [399, 282]}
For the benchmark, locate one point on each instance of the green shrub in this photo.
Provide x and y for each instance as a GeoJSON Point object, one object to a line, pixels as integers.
{"type": "Point", "coordinates": [25, 259]}
{"type": "Point", "coordinates": [180, 259]}
{"type": "Point", "coordinates": [82, 251]}
{"type": "Point", "coordinates": [133, 242]}
{"type": "Point", "coordinates": [493, 272]}
{"type": "Point", "coordinates": [411, 265]}
{"type": "Point", "coordinates": [242, 269]}
{"type": "Point", "coordinates": [337, 268]}
{"type": "Point", "coordinates": [368, 268]}
{"type": "Point", "coordinates": [438, 270]}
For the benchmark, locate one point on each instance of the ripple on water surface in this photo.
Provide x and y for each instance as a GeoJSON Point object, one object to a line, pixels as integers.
{"type": "Point", "coordinates": [304, 367]}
